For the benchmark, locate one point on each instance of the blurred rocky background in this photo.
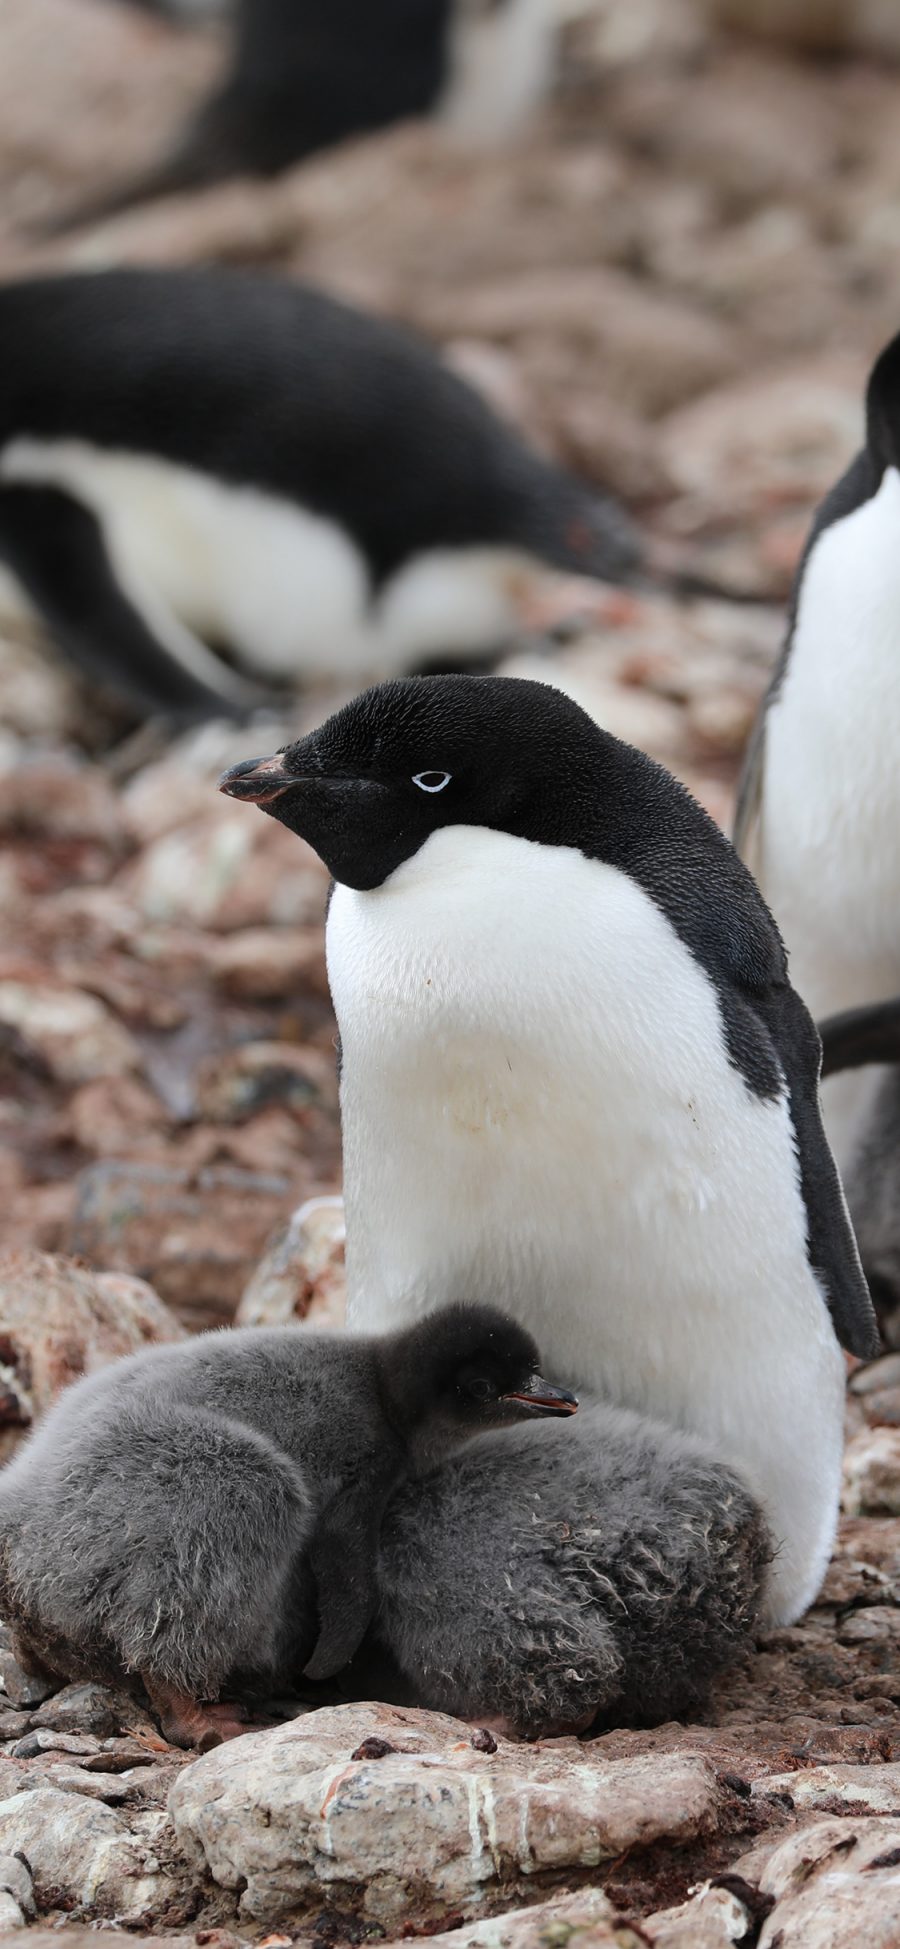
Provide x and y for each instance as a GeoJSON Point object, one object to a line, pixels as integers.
{"type": "Point", "coordinates": [675, 279]}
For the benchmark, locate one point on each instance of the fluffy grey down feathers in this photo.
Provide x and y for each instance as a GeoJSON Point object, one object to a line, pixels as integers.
{"type": "Point", "coordinates": [605, 1569]}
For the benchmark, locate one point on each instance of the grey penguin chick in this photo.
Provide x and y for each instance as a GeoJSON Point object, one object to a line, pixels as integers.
{"type": "Point", "coordinates": [560, 992]}
{"type": "Point", "coordinates": [201, 461]}
{"type": "Point", "coordinates": [195, 1515]}
{"type": "Point", "coordinates": [542, 1582]}
{"type": "Point", "coordinates": [819, 803]}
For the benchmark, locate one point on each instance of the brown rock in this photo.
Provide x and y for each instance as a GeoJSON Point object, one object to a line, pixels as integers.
{"type": "Point", "coordinates": [57, 797]}
{"type": "Point", "coordinates": [241, 1081]}
{"type": "Point", "coordinates": [115, 1116]}
{"type": "Point", "coordinates": [57, 1321]}
{"type": "Point", "coordinates": [768, 439]}
{"type": "Point", "coordinates": [266, 964]}
{"type": "Point", "coordinates": [197, 1238]}
{"type": "Point", "coordinates": [70, 1031]}
{"type": "Point", "coordinates": [650, 351]}
{"type": "Point", "coordinates": [227, 870]}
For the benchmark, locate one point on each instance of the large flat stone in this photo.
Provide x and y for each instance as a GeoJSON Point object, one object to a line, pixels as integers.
{"type": "Point", "coordinates": [432, 1823]}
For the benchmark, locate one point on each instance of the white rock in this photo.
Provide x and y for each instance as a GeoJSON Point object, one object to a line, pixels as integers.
{"type": "Point", "coordinates": [302, 1276]}
{"type": "Point", "coordinates": [872, 1473]}
{"type": "Point", "coordinates": [82, 1853]}
{"type": "Point", "coordinates": [16, 1884]}
{"type": "Point", "coordinates": [713, 1918]}
{"type": "Point", "coordinates": [287, 1814]}
{"type": "Point", "coordinates": [876, 1786]}
{"type": "Point", "coordinates": [836, 1884]}
{"type": "Point", "coordinates": [544, 1924]}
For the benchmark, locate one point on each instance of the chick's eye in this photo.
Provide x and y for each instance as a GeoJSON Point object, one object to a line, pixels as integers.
{"type": "Point", "coordinates": [481, 1389]}
{"type": "Point", "coordinates": [431, 781]}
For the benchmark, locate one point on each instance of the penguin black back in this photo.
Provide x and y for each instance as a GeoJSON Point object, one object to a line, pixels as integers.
{"type": "Point", "coordinates": [312, 466]}
{"type": "Point", "coordinates": [271, 384]}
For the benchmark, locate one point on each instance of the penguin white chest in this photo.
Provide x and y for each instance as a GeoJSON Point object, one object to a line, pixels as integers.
{"type": "Point", "coordinates": [830, 865]}
{"type": "Point", "coordinates": [538, 1110]}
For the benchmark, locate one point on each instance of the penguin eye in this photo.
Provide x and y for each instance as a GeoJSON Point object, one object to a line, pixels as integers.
{"type": "Point", "coordinates": [431, 781]}
{"type": "Point", "coordinates": [481, 1389]}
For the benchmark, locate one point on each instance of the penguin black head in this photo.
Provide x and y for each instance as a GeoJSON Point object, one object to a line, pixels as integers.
{"type": "Point", "coordinates": [370, 786]}
{"type": "Point", "coordinates": [461, 1372]}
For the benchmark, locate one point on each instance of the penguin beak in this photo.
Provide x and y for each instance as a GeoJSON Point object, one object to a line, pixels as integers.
{"type": "Point", "coordinates": [540, 1398]}
{"type": "Point", "coordinates": [257, 781]}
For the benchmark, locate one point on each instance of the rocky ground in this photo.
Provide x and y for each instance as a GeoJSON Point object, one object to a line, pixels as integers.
{"type": "Point", "coordinates": [676, 282]}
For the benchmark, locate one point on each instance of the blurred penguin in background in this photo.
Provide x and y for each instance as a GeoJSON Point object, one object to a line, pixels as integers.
{"type": "Point", "coordinates": [305, 74]}
{"type": "Point", "coordinates": [213, 483]}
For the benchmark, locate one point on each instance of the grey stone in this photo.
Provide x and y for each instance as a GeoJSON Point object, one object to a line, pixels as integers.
{"type": "Point", "coordinates": [11, 1915]}
{"type": "Point", "coordinates": [83, 1856]}
{"type": "Point", "coordinates": [22, 1688]}
{"type": "Point", "coordinates": [285, 1815]}
{"type": "Point", "coordinates": [15, 1880]}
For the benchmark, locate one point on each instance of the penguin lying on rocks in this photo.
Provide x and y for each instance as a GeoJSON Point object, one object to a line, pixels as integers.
{"type": "Point", "coordinates": [819, 805]}
{"type": "Point", "coordinates": [205, 1516]}
{"type": "Point", "coordinates": [306, 74]}
{"type": "Point", "coordinates": [542, 1582]}
{"type": "Point", "coordinates": [201, 459]}
{"type": "Point", "coordinates": [854, 1040]}
{"type": "Point", "coordinates": [575, 1074]}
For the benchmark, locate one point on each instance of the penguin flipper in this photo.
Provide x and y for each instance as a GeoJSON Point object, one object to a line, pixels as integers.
{"type": "Point", "coordinates": [861, 1035]}
{"type": "Point", "coordinates": [56, 548]}
{"type": "Point", "coordinates": [831, 1242]}
{"type": "Point", "coordinates": [342, 1559]}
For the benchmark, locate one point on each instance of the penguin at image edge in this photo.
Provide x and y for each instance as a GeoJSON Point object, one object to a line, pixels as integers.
{"type": "Point", "coordinates": [575, 1074]}
{"type": "Point", "coordinates": [819, 801]}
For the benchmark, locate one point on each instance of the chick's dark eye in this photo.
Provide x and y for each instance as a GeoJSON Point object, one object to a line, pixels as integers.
{"type": "Point", "coordinates": [479, 1388]}
{"type": "Point", "coordinates": [431, 781]}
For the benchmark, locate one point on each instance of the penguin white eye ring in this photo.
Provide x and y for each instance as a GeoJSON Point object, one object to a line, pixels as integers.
{"type": "Point", "coordinates": [432, 781]}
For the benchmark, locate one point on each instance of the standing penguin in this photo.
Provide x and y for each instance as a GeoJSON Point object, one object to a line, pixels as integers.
{"type": "Point", "coordinates": [306, 74]}
{"type": "Point", "coordinates": [199, 1515]}
{"type": "Point", "coordinates": [575, 1075]}
{"type": "Point", "coordinates": [549, 1578]}
{"type": "Point", "coordinates": [199, 459]}
{"type": "Point", "coordinates": [819, 806]}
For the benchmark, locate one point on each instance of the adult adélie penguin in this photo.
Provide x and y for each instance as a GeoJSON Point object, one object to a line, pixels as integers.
{"type": "Point", "coordinates": [576, 1076]}
{"type": "Point", "coordinates": [819, 807]}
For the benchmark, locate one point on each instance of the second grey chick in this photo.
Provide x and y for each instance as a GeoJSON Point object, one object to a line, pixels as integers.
{"type": "Point", "coordinates": [601, 1573]}
{"type": "Point", "coordinates": [205, 1516]}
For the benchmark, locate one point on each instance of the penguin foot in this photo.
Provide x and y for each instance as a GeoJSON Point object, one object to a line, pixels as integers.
{"type": "Point", "coordinates": [188, 1722]}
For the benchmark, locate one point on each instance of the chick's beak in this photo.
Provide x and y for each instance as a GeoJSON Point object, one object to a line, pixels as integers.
{"type": "Point", "coordinates": [540, 1398]}
{"type": "Point", "coordinates": [256, 780]}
